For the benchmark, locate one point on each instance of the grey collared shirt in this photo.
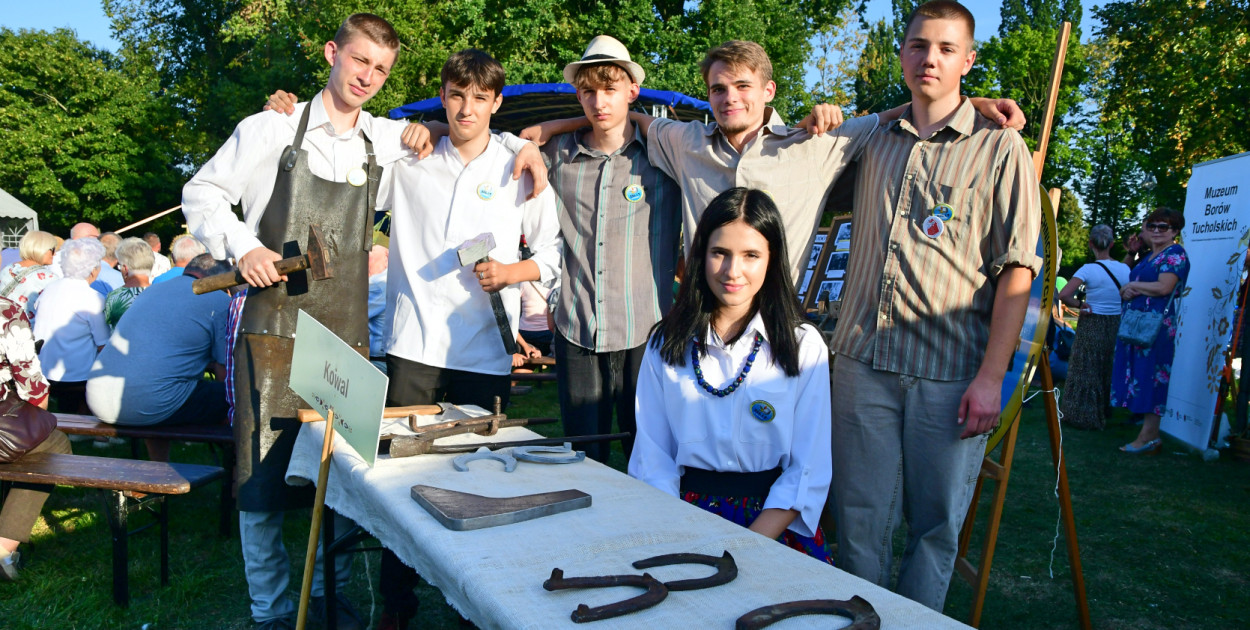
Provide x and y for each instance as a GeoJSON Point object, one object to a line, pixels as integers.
{"type": "Point", "coordinates": [797, 169]}
{"type": "Point", "coordinates": [620, 218]}
{"type": "Point", "coordinates": [919, 292]}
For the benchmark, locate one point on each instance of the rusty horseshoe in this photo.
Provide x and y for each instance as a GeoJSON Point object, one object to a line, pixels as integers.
{"type": "Point", "coordinates": [726, 569]}
{"type": "Point", "coordinates": [862, 615]}
{"type": "Point", "coordinates": [654, 595]}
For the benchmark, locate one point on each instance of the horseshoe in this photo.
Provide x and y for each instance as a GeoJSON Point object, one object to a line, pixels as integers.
{"type": "Point", "coordinates": [862, 615]}
{"type": "Point", "coordinates": [557, 454]}
{"type": "Point", "coordinates": [461, 463]}
{"type": "Point", "coordinates": [654, 595]}
{"type": "Point", "coordinates": [726, 569]}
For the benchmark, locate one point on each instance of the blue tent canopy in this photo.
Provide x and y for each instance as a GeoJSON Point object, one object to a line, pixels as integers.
{"type": "Point", "coordinates": [531, 103]}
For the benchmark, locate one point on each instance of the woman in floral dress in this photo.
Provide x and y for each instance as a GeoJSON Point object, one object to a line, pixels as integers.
{"type": "Point", "coordinates": [1140, 375]}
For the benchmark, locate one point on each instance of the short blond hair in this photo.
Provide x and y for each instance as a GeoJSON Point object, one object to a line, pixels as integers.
{"type": "Point", "coordinates": [737, 53]}
{"type": "Point", "coordinates": [35, 244]}
{"type": "Point", "coordinates": [599, 75]}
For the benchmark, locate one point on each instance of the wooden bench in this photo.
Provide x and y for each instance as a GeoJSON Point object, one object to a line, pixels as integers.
{"type": "Point", "coordinates": [132, 485]}
{"type": "Point", "coordinates": [220, 439]}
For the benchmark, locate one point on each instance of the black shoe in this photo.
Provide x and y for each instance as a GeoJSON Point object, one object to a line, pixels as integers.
{"type": "Point", "coordinates": [281, 623]}
{"type": "Point", "coordinates": [345, 613]}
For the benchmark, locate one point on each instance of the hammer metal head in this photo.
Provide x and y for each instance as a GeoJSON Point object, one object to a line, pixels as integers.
{"type": "Point", "coordinates": [318, 255]}
{"type": "Point", "coordinates": [476, 248]}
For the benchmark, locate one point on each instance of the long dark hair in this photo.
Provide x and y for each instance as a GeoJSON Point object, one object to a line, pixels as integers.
{"type": "Point", "coordinates": [776, 300]}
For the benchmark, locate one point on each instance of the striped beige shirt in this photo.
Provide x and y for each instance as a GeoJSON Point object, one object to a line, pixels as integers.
{"type": "Point", "coordinates": [796, 168]}
{"type": "Point", "coordinates": [919, 303]}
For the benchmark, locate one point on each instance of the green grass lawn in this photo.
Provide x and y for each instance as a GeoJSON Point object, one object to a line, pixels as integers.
{"type": "Point", "coordinates": [1164, 544]}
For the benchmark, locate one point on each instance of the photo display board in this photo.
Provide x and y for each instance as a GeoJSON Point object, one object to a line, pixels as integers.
{"type": "Point", "coordinates": [826, 270]}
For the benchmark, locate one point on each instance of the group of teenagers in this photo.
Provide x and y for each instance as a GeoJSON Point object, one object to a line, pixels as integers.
{"type": "Point", "coordinates": [724, 385]}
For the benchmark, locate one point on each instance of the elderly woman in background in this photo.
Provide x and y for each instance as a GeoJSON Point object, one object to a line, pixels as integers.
{"type": "Point", "coordinates": [20, 374]}
{"type": "Point", "coordinates": [1087, 394]}
{"type": "Point", "coordinates": [1140, 374]}
{"type": "Point", "coordinates": [69, 323]}
{"type": "Point", "coordinates": [135, 260]}
{"type": "Point", "coordinates": [23, 280]}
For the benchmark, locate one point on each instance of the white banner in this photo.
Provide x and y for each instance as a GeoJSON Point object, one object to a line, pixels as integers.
{"type": "Point", "coordinates": [1216, 233]}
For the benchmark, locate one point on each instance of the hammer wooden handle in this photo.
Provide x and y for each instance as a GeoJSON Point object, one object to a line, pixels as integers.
{"type": "Point", "coordinates": [235, 278]}
{"type": "Point", "coordinates": [308, 415]}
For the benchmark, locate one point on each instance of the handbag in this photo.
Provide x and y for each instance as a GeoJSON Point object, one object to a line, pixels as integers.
{"type": "Point", "coordinates": [23, 426]}
{"type": "Point", "coordinates": [1141, 328]}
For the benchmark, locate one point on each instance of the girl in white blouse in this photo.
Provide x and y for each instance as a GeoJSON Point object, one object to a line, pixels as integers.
{"type": "Point", "coordinates": [733, 393]}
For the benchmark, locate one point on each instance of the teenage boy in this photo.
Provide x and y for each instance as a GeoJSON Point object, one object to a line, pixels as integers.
{"type": "Point", "coordinates": [750, 146]}
{"type": "Point", "coordinates": [946, 223]}
{"type": "Point", "coordinates": [620, 218]}
{"type": "Point", "coordinates": [288, 173]}
{"type": "Point", "coordinates": [444, 341]}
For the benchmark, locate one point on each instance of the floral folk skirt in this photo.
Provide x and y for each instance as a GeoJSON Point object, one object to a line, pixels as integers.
{"type": "Point", "coordinates": [744, 511]}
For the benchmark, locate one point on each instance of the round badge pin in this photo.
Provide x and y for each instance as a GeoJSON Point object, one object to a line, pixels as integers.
{"type": "Point", "coordinates": [485, 191]}
{"type": "Point", "coordinates": [763, 411]}
{"type": "Point", "coordinates": [357, 176]}
{"type": "Point", "coordinates": [633, 193]}
{"type": "Point", "coordinates": [943, 211]}
{"type": "Point", "coordinates": [933, 227]}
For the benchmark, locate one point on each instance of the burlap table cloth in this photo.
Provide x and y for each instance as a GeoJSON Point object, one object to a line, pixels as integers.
{"type": "Point", "coordinates": [494, 576]}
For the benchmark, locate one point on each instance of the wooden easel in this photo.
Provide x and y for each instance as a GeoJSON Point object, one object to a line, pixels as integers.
{"type": "Point", "coordinates": [1000, 471]}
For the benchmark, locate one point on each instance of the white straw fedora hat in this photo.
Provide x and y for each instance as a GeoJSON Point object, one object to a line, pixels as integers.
{"type": "Point", "coordinates": [606, 49]}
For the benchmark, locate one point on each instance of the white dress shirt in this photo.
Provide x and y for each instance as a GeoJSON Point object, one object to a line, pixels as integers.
{"type": "Point", "coordinates": [680, 424]}
{"type": "Point", "coordinates": [440, 316]}
{"type": "Point", "coordinates": [69, 319]}
{"type": "Point", "coordinates": [244, 170]}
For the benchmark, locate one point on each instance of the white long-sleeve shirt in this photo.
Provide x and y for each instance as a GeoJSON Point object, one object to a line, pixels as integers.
{"type": "Point", "coordinates": [245, 167]}
{"type": "Point", "coordinates": [440, 316]}
{"type": "Point", "coordinates": [680, 424]}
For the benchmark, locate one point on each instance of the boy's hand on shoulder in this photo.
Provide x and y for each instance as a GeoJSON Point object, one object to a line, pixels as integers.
{"type": "Point", "coordinates": [824, 117]}
{"type": "Point", "coordinates": [418, 137]}
{"type": "Point", "coordinates": [531, 159]}
{"type": "Point", "coordinates": [1003, 111]}
{"type": "Point", "coordinates": [283, 102]}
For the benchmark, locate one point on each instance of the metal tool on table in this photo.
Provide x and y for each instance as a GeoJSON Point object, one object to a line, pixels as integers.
{"type": "Point", "coordinates": [461, 463]}
{"type": "Point", "coordinates": [477, 250]}
{"type": "Point", "coordinates": [548, 454]}
{"type": "Point", "coordinates": [656, 592]}
{"type": "Point", "coordinates": [726, 569]}
{"type": "Point", "coordinates": [462, 511]}
{"type": "Point", "coordinates": [862, 615]}
{"type": "Point", "coordinates": [315, 260]}
{"type": "Point", "coordinates": [405, 447]}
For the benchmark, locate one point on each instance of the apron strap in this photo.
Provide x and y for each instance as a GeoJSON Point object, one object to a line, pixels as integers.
{"type": "Point", "coordinates": [292, 154]}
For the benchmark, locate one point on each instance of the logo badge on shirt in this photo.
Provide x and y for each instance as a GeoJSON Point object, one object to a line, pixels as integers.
{"type": "Point", "coordinates": [763, 411]}
{"type": "Point", "coordinates": [933, 227]}
{"type": "Point", "coordinates": [944, 211]}
{"type": "Point", "coordinates": [357, 176]}
{"type": "Point", "coordinates": [633, 193]}
{"type": "Point", "coordinates": [485, 191]}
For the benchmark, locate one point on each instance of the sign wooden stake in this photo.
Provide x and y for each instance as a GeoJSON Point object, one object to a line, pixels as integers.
{"type": "Point", "coordinates": [319, 504]}
{"type": "Point", "coordinates": [1000, 471]}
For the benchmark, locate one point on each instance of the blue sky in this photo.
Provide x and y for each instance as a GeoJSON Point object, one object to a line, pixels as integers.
{"type": "Point", "coordinates": [87, 17]}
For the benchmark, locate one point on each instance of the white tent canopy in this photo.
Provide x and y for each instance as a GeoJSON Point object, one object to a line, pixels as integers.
{"type": "Point", "coordinates": [16, 218]}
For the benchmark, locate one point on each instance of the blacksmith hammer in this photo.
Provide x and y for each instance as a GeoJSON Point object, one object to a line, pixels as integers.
{"type": "Point", "coordinates": [315, 259]}
{"type": "Point", "coordinates": [477, 250]}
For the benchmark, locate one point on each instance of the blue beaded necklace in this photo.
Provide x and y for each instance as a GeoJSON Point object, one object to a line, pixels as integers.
{"type": "Point", "coordinates": [746, 369]}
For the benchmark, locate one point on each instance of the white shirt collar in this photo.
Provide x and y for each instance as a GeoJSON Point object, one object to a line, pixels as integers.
{"type": "Point", "coordinates": [754, 325]}
{"type": "Point", "coordinates": [320, 117]}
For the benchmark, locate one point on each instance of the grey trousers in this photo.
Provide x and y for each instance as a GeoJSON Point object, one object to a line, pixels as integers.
{"type": "Point", "coordinates": [21, 508]}
{"type": "Point", "coordinates": [896, 450]}
{"type": "Point", "coordinates": [268, 567]}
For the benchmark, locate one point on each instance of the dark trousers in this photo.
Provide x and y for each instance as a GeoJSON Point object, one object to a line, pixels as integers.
{"type": "Point", "coordinates": [21, 508]}
{"type": "Point", "coordinates": [592, 385]}
{"type": "Point", "coordinates": [413, 383]}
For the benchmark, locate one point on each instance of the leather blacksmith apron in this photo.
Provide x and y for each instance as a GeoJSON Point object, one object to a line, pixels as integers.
{"type": "Point", "coordinates": [265, 426]}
